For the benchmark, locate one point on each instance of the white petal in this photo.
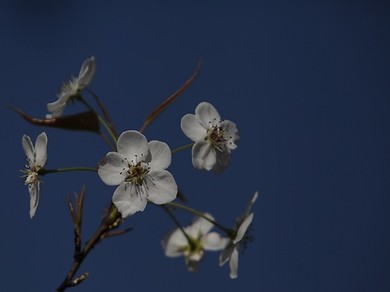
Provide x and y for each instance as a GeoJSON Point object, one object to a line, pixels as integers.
{"type": "Point", "coordinates": [223, 159]}
{"type": "Point", "coordinates": [86, 72]}
{"type": "Point", "coordinates": [200, 226]}
{"type": "Point", "coordinates": [233, 264]}
{"type": "Point", "coordinates": [231, 134]}
{"type": "Point", "coordinates": [161, 155]}
{"type": "Point", "coordinates": [133, 145]}
{"type": "Point", "coordinates": [34, 197]}
{"type": "Point", "coordinates": [243, 228]}
{"type": "Point", "coordinates": [194, 257]}
{"type": "Point", "coordinates": [192, 128]}
{"type": "Point", "coordinates": [161, 187]}
{"type": "Point", "coordinates": [41, 150]}
{"type": "Point", "coordinates": [214, 241]}
{"type": "Point", "coordinates": [203, 155]}
{"type": "Point", "coordinates": [112, 169]}
{"type": "Point", "coordinates": [174, 242]}
{"type": "Point", "coordinates": [128, 199]}
{"type": "Point", "coordinates": [251, 202]}
{"type": "Point", "coordinates": [28, 149]}
{"type": "Point", "coordinates": [56, 108]}
{"type": "Point", "coordinates": [207, 115]}
{"type": "Point", "coordinates": [226, 253]}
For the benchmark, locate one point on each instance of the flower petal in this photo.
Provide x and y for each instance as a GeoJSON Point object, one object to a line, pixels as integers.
{"type": "Point", "coordinates": [231, 134]}
{"type": "Point", "coordinates": [243, 228]}
{"type": "Point", "coordinates": [192, 127]}
{"type": "Point", "coordinates": [233, 264]}
{"type": "Point", "coordinates": [174, 242]}
{"type": "Point", "coordinates": [251, 202]}
{"type": "Point", "coordinates": [128, 199]}
{"type": "Point", "coordinates": [203, 155]}
{"type": "Point", "coordinates": [223, 159]}
{"type": "Point", "coordinates": [214, 241]}
{"type": "Point", "coordinates": [87, 71]}
{"type": "Point", "coordinates": [200, 226]}
{"type": "Point", "coordinates": [133, 145]}
{"type": "Point", "coordinates": [112, 169]}
{"type": "Point", "coordinates": [226, 253]}
{"type": "Point", "coordinates": [161, 187]}
{"type": "Point", "coordinates": [41, 150]}
{"type": "Point", "coordinates": [57, 107]}
{"type": "Point", "coordinates": [207, 115]}
{"type": "Point", "coordinates": [33, 189]}
{"type": "Point", "coordinates": [28, 149]}
{"type": "Point", "coordinates": [161, 155]}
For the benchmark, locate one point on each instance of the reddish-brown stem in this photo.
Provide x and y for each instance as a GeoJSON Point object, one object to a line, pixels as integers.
{"type": "Point", "coordinates": [112, 220]}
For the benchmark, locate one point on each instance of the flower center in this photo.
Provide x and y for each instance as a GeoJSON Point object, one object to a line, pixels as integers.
{"type": "Point", "coordinates": [136, 173]}
{"type": "Point", "coordinates": [70, 88]}
{"type": "Point", "coordinates": [194, 249]}
{"type": "Point", "coordinates": [215, 136]}
{"type": "Point", "coordinates": [31, 177]}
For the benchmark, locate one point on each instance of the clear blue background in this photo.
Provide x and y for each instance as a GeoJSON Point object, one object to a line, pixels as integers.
{"type": "Point", "coordinates": [307, 83]}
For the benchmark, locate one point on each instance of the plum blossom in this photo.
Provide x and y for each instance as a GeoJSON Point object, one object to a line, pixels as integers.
{"type": "Point", "coordinates": [194, 242]}
{"type": "Point", "coordinates": [240, 239]}
{"type": "Point", "coordinates": [72, 88]}
{"type": "Point", "coordinates": [214, 138]}
{"type": "Point", "coordinates": [36, 158]}
{"type": "Point", "coordinates": [138, 168]}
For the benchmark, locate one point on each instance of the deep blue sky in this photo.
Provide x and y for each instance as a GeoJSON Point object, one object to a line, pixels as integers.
{"type": "Point", "coordinates": [307, 83]}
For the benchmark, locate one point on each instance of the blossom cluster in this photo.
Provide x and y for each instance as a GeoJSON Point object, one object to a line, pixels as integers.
{"type": "Point", "coordinates": [138, 169]}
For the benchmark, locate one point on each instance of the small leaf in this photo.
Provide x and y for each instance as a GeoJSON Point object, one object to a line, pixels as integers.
{"type": "Point", "coordinates": [84, 121]}
{"type": "Point", "coordinates": [171, 98]}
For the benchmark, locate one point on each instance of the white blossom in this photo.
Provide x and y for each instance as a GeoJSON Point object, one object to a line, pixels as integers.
{"type": "Point", "coordinates": [194, 242]}
{"type": "Point", "coordinates": [230, 253]}
{"type": "Point", "coordinates": [138, 168]}
{"type": "Point", "coordinates": [36, 159]}
{"type": "Point", "coordinates": [214, 138]}
{"type": "Point", "coordinates": [72, 88]}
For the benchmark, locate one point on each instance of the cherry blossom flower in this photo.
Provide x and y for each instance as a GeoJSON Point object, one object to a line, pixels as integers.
{"type": "Point", "coordinates": [138, 169]}
{"type": "Point", "coordinates": [72, 88]}
{"type": "Point", "coordinates": [194, 242]}
{"type": "Point", "coordinates": [36, 158]}
{"type": "Point", "coordinates": [240, 239]}
{"type": "Point", "coordinates": [214, 138]}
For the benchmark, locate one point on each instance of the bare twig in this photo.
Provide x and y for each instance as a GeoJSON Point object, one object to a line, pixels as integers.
{"type": "Point", "coordinates": [116, 232]}
{"type": "Point", "coordinates": [111, 221]}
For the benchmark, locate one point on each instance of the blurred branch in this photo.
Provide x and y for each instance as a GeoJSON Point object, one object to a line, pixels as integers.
{"type": "Point", "coordinates": [104, 111]}
{"type": "Point", "coordinates": [111, 221]}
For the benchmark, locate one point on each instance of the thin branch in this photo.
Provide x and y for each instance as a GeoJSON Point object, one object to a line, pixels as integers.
{"type": "Point", "coordinates": [104, 111]}
{"type": "Point", "coordinates": [116, 232]}
{"type": "Point", "coordinates": [112, 220]}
